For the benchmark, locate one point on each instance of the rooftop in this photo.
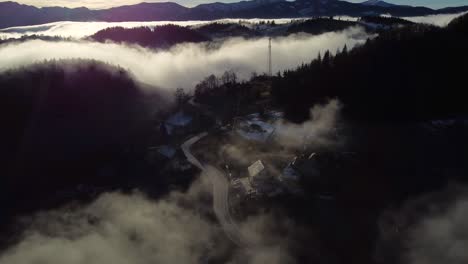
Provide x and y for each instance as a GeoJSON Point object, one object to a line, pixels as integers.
{"type": "Point", "coordinates": [166, 151]}
{"type": "Point", "coordinates": [247, 186]}
{"type": "Point", "coordinates": [179, 119]}
{"type": "Point", "coordinates": [255, 130]}
{"type": "Point", "coordinates": [256, 168]}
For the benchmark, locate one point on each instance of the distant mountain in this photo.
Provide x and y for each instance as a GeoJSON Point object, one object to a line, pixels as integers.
{"type": "Point", "coordinates": [243, 5]}
{"type": "Point", "coordinates": [377, 3]}
{"type": "Point", "coordinates": [452, 10]}
{"type": "Point", "coordinates": [144, 12]}
{"type": "Point", "coordinates": [14, 14]}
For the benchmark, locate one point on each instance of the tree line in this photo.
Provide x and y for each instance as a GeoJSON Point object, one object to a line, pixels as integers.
{"type": "Point", "coordinates": [66, 123]}
{"type": "Point", "coordinates": [405, 74]}
{"type": "Point", "coordinates": [157, 37]}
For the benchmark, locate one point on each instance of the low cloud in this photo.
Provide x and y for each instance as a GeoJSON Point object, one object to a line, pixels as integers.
{"type": "Point", "coordinates": [121, 228]}
{"type": "Point", "coordinates": [318, 131]}
{"type": "Point", "coordinates": [437, 20]}
{"type": "Point", "coordinates": [131, 228]}
{"type": "Point", "coordinates": [429, 229]}
{"type": "Point", "coordinates": [128, 229]}
{"type": "Point", "coordinates": [185, 65]}
{"type": "Point", "coordinates": [77, 30]}
{"type": "Point", "coordinates": [441, 237]}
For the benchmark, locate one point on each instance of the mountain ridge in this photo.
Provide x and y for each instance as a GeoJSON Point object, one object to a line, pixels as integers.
{"type": "Point", "coordinates": [377, 3]}
{"type": "Point", "coordinates": [14, 14]}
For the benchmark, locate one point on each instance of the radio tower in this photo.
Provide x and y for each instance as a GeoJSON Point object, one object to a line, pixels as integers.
{"type": "Point", "coordinates": [269, 57]}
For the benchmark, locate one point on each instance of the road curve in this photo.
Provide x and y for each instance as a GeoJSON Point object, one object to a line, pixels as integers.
{"type": "Point", "coordinates": [220, 194]}
{"type": "Point", "coordinates": [186, 149]}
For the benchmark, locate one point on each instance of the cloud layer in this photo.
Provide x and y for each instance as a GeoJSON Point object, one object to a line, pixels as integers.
{"type": "Point", "coordinates": [119, 228]}
{"type": "Point", "coordinates": [441, 237]}
{"type": "Point", "coordinates": [317, 131]}
{"type": "Point", "coordinates": [437, 20]}
{"type": "Point", "coordinates": [428, 229]}
{"type": "Point", "coordinates": [185, 65]}
{"type": "Point", "coordinates": [133, 229]}
{"type": "Point", "coordinates": [69, 29]}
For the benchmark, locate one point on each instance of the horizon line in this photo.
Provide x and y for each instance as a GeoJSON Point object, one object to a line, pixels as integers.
{"type": "Point", "coordinates": [183, 5]}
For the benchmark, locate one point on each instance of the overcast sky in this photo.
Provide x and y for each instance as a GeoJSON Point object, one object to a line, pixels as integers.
{"type": "Point", "coordinates": [109, 3]}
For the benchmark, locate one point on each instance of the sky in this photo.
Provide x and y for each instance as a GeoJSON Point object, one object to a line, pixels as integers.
{"type": "Point", "coordinates": [97, 4]}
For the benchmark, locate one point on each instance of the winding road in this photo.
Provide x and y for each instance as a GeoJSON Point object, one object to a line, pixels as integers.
{"type": "Point", "coordinates": [220, 194]}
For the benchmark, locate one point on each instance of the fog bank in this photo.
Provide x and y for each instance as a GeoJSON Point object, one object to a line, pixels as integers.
{"type": "Point", "coordinates": [437, 20]}
{"type": "Point", "coordinates": [442, 234]}
{"type": "Point", "coordinates": [71, 29]}
{"type": "Point", "coordinates": [318, 131]}
{"type": "Point", "coordinates": [427, 229]}
{"type": "Point", "coordinates": [77, 30]}
{"type": "Point", "coordinates": [131, 228]}
{"type": "Point", "coordinates": [185, 65]}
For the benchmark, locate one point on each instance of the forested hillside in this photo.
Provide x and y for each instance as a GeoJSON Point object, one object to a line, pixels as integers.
{"type": "Point", "coordinates": [410, 73]}
{"type": "Point", "coordinates": [320, 25]}
{"type": "Point", "coordinates": [159, 37]}
{"type": "Point", "coordinates": [66, 123]}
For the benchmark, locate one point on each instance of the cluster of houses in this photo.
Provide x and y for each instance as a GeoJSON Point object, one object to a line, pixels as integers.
{"type": "Point", "coordinates": [271, 179]}
{"type": "Point", "coordinates": [256, 127]}
{"type": "Point", "coordinates": [272, 175]}
{"type": "Point", "coordinates": [262, 177]}
{"type": "Point", "coordinates": [267, 177]}
{"type": "Point", "coordinates": [257, 181]}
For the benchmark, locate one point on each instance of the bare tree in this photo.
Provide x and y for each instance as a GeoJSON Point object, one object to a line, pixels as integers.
{"type": "Point", "coordinates": [181, 96]}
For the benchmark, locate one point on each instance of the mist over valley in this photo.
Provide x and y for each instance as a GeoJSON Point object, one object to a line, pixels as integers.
{"type": "Point", "coordinates": [251, 132]}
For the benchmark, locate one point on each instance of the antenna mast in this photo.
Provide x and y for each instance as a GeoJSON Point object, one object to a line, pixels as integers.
{"type": "Point", "coordinates": [269, 57]}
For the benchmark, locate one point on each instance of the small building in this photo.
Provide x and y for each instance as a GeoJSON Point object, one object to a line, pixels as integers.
{"type": "Point", "coordinates": [178, 124]}
{"type": "Point", "coordinates": [290, 178]}
{"type": "Point", "coordinates": [323, 172]}
{"type": "Point", "coordinates": [165, 151]}
{"type": "Point", "coordinates": [245, 182]}
{"type": "Point", "coordinates": [242, 186]}
{"type": "Point", "coordinates": [307, 167]}
{"type": "Point", "coordinates": [260, 178]}
{"type": "Point", "coordinates": [300, 168]}
{"type": "Point", "coordinates": [160, 154]}
{"type": "Point", "coordinates": [289, 174]}
{"type": "Point", "coordinates": [257, 170]}
{"type": "Point", "coordinates": [181, 164]}
{"type": "Point", "coordinates": [254, 129]}
{"type": "Point", "coordinates": [275, 115]}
